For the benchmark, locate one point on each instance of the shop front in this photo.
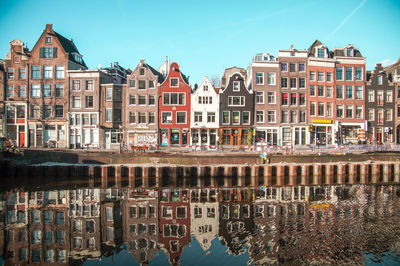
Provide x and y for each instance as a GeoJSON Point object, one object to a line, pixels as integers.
{"type": "Point", "coordinates": [350, 133]}
{"type": "Point", "coordinates": [266, 136]}
{"type": "Point", "coordinates": [142, 138]}
{"type": "Point", "coordinates": [204, 138]}
{"type": "Point", "coordinates": [113, 138]}
{"type": "Point", "coordinates": [16, 125]}
{"type": "Point", "coordinates": [174, 137]}
{"type": "Point", "coordinates": [232, 137]}
{"type": "Point", "coordinates": [322, 132]}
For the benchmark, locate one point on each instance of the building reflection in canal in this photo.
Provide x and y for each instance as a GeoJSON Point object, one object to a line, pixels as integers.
{"type": "Point", "coordinates": [296, 225]}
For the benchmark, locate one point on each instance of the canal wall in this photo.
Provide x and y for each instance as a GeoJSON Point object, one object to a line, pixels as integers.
{"type": "Point", "coordinates": [229, 175]}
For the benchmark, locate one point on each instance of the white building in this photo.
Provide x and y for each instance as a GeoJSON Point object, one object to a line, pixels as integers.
{"type": "Point", "coordinates": [205, 116]}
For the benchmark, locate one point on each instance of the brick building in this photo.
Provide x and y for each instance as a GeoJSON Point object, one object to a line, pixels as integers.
{"type": "Point", "coordinates": [140, 118]}
{"type": "Point", "coordinates": [380, 106]}
{"type": "Point", "coordinates": [393, 72]}
{"type": "Point", "coordinates": [2, 87]}
{"type": "Point", "coordinates": [293, 104]}
{"type": "Point", "coordinates": [174, 109]}
{"type": "Point", "coordinates": [264, 75]}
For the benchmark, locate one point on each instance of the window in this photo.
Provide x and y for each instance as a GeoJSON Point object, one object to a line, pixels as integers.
{"type": "Point", "coordinates": [389, 115]}
{"type": "Point", "coordinates": [109, 94]}
{"type": "Point", "coordinates": [167, 212]}
{"type": "Point", "coordinates": [259, 97]}
{"type": "Point", "coordinates": [285, 99]}
{"type": "Point", "coordinates": [321, 52]}
{"type": "Point", "coordinates": [302, 117]}
{"type": "Point", "coordinates": [48, 52]}
{"type": "Point", "coordinates": [48, 40]}
{"type": "Point", "coordinates": [272, 116]}
{"type": "Point", "coordinates": [59, 90]}
{"type": "Point", "coordinates": [329, 91]}
{"type": "Point", "coordinates": [47, 72]}
{"type": "Point", "coordinates": [271, 97]}
{"type": "Point", "coordinates": [271, 78]}
{"type": "Point", "coordinates": [60, 218]}
{"type": "Point", "coordinates": [339, 73]}
{"type": "Point", "coordinates": [260, 78]}
{"type": "Point", "coordinates": [293, 116]}
{"type": "Point", "coordinates": [152, 100]}
{"type": "Point", "coordinates": [117, 94]}
{"type": "Point", "coordinates": [132, 99]}
{"type": "Point", "coordinates": [371, 114]}
{"type": "Point", "coordinates": [359, 73]}
{"type": "Point", "coordinates": [321, 76]}
{"type": "Point", "coordinates": [302, 67]}
{"type": "Point", "coordinates": [151, 118]}
{"type": "Point", "coordinates": [88, 101]}
{"type": "Point", "coordinates": [35, 90]}
{"type": "Point", "coordinates": [321, 91]}
{"type": "Point", "coordinates": [174, 82]}
{"type": "Point", "coordinates": [180, 117]}
{"type": "Point", "coordinates": [329, 76]}
{"type": "Point", "coordinates": [302, 99]}
{"type": "Point", "coordinates": [359, 112]}
{"type": "Point", "coordinates": [10, 92]}
{"type": "Point", "coordinates": [117, 115]}
{"type": "Point", "coordinates": [285, 117]}
{"type": "Point", "coordinates": [284, 82]}
{"type": "Point", "coordinates": [47, 90]}
{"type": "Point", "coordinates": [286, 133]}
{"type": "Point", "coordinates": [225, 118]}
{"type": "Point", "coordinates": [284, 67]}
{"type": "Point", "coordinates": [312, 90]}
{"type": "Point", "coordinates": [245, 117]}
{"type": "Point", "coordinates": [60, 237]}
{"type": "Point", "coordinates": [59, 110]}
{"type": "Point", "coordinates": [349, 92]}
{"type": "Point", "coordinates": [108, 115]}
{"type": "Point", "coordinates": [302, 83]}
{"type": "Point", "coordinates": [141, 117]}
{"type": "Point", "coordinates": [210, 117]}
{"type": "Point", "coordinates": [151, 84]}
{"type": "Point", "coordinates": [142, 100]}
{"type": "Point", "coordinates": [321, 109]}
{"type": "Point", "coordinates": [132, 117]}
{"type": "Point", "coordinates": [198, 117]}
{"type": "Point", "coordinates": [235, 117]}
{"type": "Point", "coordinates": [35, 111]}
{"type": "Point", "coordinates": [349, 111]}
{"type": "Point", "coordinates": [312, 108]}
{"type": "Point", "coordinates": [59, 72]}
{"type": "Point", "coordinates": [46, 111]}
{"type": "Point", "coordinates": [293, 99]}
{"type": "Point", "coordinates": [339, 111]}
{"type": "Point", "coordinates": [389, 96]}
{"type": "Point", "coordinates": [132, 83]}
{"type": "Point", "coordinates": [22, 73]}
{"type": "Point", "coordinates": [339, 91]}
{"type": "Point", "coordinates": [292, 67]}
{"type": "Point", "coordinates": [359, 92]}
{"type": "Point", "coordinates": [349, 73]}
{"type": "Point", "coordinates": [89, 85]}
{"type": "Point", "coordinates": [260, 116]}
{"type": "Point", "coordinates": [312, 75]}
{"type": "Point", "coordinates": [142, 85]}
{"type": "Point", "coordinates": [10, 73]}
{"type": "Point", "coordinates": [35, 72]}
{"type": "Point", "coordinates": [380, 80]}
{"type": "Point", "coordinates": [141, 71]}
{"type": "Point", "coordinates": [76, 101]}
{"type": "Point", "coordinates": [173, 98]}
{"type": "Point", "coordinates": [236, 86]}
{"type": "Point", "coordinates": [76, 85]}
{"type": "Point", "coordinates": [293, 82]}
{"type": "Point", "coordinates": [329, 109]}
{"type": "Point", "coordinates": [236, 101]}
{"type": "Point", "coordinates": [21, 91]}
{"type": "Point", "coordinates": [166, 117]}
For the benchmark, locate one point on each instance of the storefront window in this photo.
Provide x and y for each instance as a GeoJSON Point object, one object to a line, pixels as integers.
{"type": "Point", "coordinates": [174, 137]}
{"type": "Point", "coordinates": [164, 137]}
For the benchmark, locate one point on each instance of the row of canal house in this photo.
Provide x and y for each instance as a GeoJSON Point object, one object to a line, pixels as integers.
{"type": "Point", "coordinates": [314, 96]}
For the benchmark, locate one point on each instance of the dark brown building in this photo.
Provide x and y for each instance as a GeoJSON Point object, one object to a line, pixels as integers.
{"type": "Point", "coordinates": [393, 72]}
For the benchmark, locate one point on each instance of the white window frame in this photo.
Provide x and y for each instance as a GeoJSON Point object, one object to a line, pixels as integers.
{"type": "Point", "coordinates": [177, 117]}
{"type": "Point", "coordinates": [274, 94]}
{"type": "Point", "coordinates": [73, 102]}
{"type": "Point", "coordinates": [109, 110]}
{"type": "Point", "coordinates": [145, 100]}
{"type": "Point", "coordinates": [230, 102]}
{"type": "Point", "coordinates": [271, 78]}
{"type": "Point", "coordinates": [229, 118]}
{"type": "Point", "coordinates": [258, 112]}
{"type": "Point", "coordinates": [170, 115]}
{"type": "Point", "coordinates": [260, 80]}
{"type": "Point", "coordinates": [238, 123]}
{"type": "Point", "coordinates": [236, 86]}
{"type": "Point", "coordinates": [177, 82]}
{"type": "Point", "coordinates": [248, 123]}
{"type": "Point", "coordinates": [274, 113]}
{"type": "Point", "coordinates": [262, 95]}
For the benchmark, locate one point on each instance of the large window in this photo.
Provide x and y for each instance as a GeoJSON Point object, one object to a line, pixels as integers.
{"type": "Point", "coordinates": [10, 92]}
{"type": "Point", "coordinates": [284, 83]}
{"type": "Point", "coordinates": [76, 101]}
{"type": "Point", "coordinates": [180, 117]}
{"type": "Point", "coordinates": [285, 117]}
{"type": "Point", "coordinates": [260, 78]}
{"type": "Point", "coordinates": [166, 117]}
{"type": "Point", "coordinates": [236, 101]}
{"type": "Point", "coordinates": [293, 99]}
{"type": "Point", "coordinates": [225, 118]}
{"type": "Point", "coordinates": [302, 99]}
{"type": "Point", "coordinates": [89, 101]}
{"type": "Point", "coordinates": [142, 100]}
{"type": "Point", "coordinates": [302, 67]}
{"type": "Point", "coordinates": [321, 53]}
{"type": "Point", "coordinates": [321, 109]}
{"type": "Point", "coordinates": [235, 117]}
{"type": "Point", "coordinates": [46, 111]}
{"type": "Point", "coordinates": [47, 90]}
{"type": "Point", "coordinates": [48, 52]}
{"type": "Point", "coordinates": [339, 91]}
{"type": "Point", "coordinates": [339, 111]}
{"type": "Point", "coordinates": [271, 97]}
{"type": "Point", "coordinates": [349, 111]}
{"type": "Point", "coordinates": [293, 83]}
{"type": "Point", "coordinates": [76, 85]}
{"type": "Point", "coordinates": [22, 73]}
{"type": "Point", "coordinates": [59, 72]}
{"type": "Point", "coordinates": [285, 100]}
{"type": "Point", "coordinates": [349, 92]}
{"type": "Point", "coordinates": [59, 111]}
{"type": "Point", "coordinates": [359, 112]}
{"type": "Point", "coordinates": [259, 97]}
{"type": "Point", "coordinates": [35, 90]}
{"type": "Point", "coordinates": [142, 84]}
{"type": "Point", "coordinates": [329, 76]}
{"type": "Point", "coordinates": [132, 117]}
{"type": "Point", "coordinates": [329, 91]}
{"type": "Point", "coordinates": [260, 116]}
{"type": "Point", "coordinates": [312, 75]}
{"type": "Point", "coordinates": [359, 73]}
{"type": "Point", "coordinates": [284, 67]}
{"type": "Point", "coordinates": [349, 73]}
{"type": "Point", "coordinates": [359, 92]}
{"type": "Point", "coordinates": [141, 117]}
{"type": "Point", "coordinates": [210, 117]}
{"type": "Point", "coordinates": [321, 76]}
{"type": "Point", "coordinates": [339, 73]}
{"type": "Point", "coordinates": [89, 85]}
{"type": "Point", "coordinates": [35, 72]}
{"type": "Point", "coordinates": [246, 117]}
{"type": "Point", "coordinates": [272, 116]}
{"type": "Point", "coordinates": [21, 91]}
{"type": "Point", "coordinates": [132, 99]}
{"type": "Point", "coordinates": [271, 78]}
{"type": "Point", "coordinates": [59, 90]}
{"type": "Point", "coordinates": [48, 72]}
{"type": "Point", "coordinates": [302, 83]}
{"type": "Point", "coordinates": [152, 100]}
{"type": "Point", "coordinates": [292, 67]}
{"type": "Point", "coordinates": [174, 98]}
{"type": "Point", "coordinates": [321, 91]}
{"type": "Point", "coordinates": [198, 117]}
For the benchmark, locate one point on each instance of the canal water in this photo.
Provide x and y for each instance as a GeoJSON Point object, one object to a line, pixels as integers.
{"type": "Point", "coordinates": [347, 224]}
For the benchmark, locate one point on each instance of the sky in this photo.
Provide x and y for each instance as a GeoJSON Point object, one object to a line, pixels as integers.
{"type": "Point", "coordinates": [204, 37]}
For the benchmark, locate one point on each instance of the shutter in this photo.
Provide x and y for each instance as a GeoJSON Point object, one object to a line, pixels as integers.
{"type": "Point", "coordinates": [54, 52]}
{"type": "Point", "coordinates": [41, 52]}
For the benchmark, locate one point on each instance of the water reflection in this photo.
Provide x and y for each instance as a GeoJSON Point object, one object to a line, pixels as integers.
{"type": "Point", "coordinates": [295, 225]}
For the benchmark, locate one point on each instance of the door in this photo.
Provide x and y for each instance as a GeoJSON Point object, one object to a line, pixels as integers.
{"type": "Point", "coordinates": [39, 138]}
{"type": "Point", "coordinates": [22, 138]}
{"type": "Point", "coordinates": [108, 140]}
{"type": "Point", "coordinates": [31, 137]}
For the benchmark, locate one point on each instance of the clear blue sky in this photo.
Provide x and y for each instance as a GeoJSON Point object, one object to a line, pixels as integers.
{"type": "Point", "coordinates": [204, 37]}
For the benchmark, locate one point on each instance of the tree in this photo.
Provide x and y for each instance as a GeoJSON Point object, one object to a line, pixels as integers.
{"type": "Point", "coordinates": [215, 80]}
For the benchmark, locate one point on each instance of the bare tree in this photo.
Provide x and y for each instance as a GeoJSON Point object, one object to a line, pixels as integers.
{"type": "Point", "coordinates": [215, 80]}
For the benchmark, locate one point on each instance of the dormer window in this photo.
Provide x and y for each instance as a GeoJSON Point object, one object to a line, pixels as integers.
{"type": "Point", "coordinates": [78, 58]}
{"type": "Point", "coordinates": [48, 40]}
{"type": "Point", "coordinates": [236, 86]}
{"type": "Point", "coordinates": [349, 51]}
{"type": "Point", "coordinates": [142, 71]}
{"type": "Point", "coordinates": [321, 52]}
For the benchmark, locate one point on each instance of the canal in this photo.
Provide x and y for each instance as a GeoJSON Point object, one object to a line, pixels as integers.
{"type": "Point", "coordinates": [89, 223]}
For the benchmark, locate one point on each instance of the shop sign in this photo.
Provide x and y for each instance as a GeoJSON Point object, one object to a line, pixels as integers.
{"type": "Point", "coordinates": [322, 121]}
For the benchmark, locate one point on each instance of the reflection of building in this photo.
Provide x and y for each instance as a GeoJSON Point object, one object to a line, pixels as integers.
{"type": "Point", "coordinates": [174, 226]}
{"type": "Point", "coordinates": [2, 98]}
{"type": "Point", "coordinates": [140, 222]}
{"type": "Point", "coordinates": [84, 220]}
{"type": "Point", "coordinates": [235, 219]}
{"type": "Point", "coordinates": [204, 216]}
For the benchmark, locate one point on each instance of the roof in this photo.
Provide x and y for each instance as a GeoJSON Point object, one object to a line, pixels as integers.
{"type": "Point", "coordinates": [311, 48]}
{"type": "Point", "coordinates": [393, 68]}
{"type": "Point", "coordinates": [217, 90]}
{"type": "Point", "coordinates": [341, 52]}
{"type": "Point", "coordinates": [155, 73]}
{"type": "Point", "coordinates": [69, 47]}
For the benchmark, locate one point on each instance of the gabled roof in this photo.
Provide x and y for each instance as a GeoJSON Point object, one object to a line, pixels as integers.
{"type": "Point", "coordinates": [69, 47]}
{"type": "Point", "coordinates": [341, 52]}
{"type": "Point", "coordinates": [393, 69]}
{"type": "Point", "coordinates": [311, 48]}
{"type": "Point", "coordinates": [155, 73]}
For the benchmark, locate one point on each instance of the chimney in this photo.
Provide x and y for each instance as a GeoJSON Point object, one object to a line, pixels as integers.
{"type": "Point", "coordinates": [49, 27]}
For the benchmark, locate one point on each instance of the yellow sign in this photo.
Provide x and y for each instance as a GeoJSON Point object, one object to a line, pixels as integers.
{"type": "Point", "coordinates": [322, 121]}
